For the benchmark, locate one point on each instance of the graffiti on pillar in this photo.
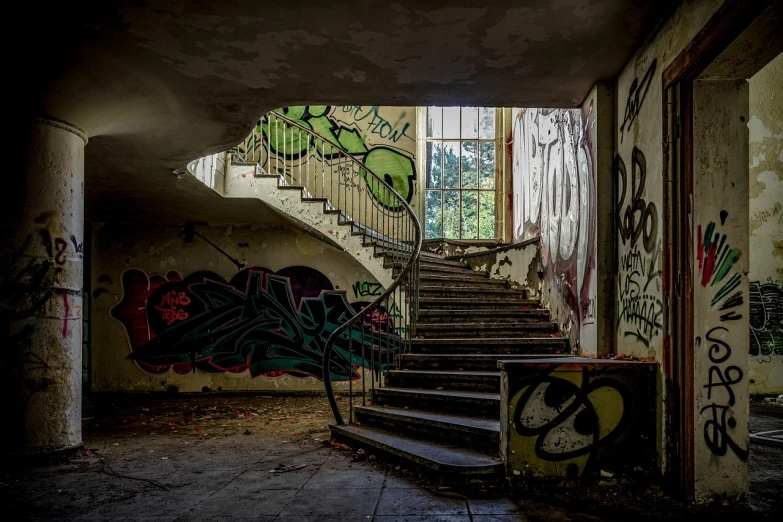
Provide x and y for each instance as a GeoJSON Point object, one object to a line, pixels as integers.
{"type": "Point", "coordinates": [555, 199]}
{"type": "Point", "coordinates": [636, 94]}
{"type": "Point", "coordinates": [766, 318]}
{"type": "Point", "coordinates": [716, 260]}
{"type": "Point", "coordinates": [260, 321]}
{"type": "Point", "coordinates": [383, 143]}
{"type": "Point", "coordinates": [562, 419]}
{"type": "Point", "coordinates": [639, 297]}
{"type": "Point", "coordinates": [639, 267]}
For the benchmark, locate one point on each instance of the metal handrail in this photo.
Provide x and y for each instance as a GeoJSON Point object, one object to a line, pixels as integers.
{"type": "Point", "coordinates": [403, 241]}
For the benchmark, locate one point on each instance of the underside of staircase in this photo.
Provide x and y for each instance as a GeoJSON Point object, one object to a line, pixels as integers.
{"type": "Point", "coordinates": [439, 409]}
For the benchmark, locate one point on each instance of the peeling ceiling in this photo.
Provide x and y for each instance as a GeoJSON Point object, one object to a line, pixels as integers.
{"type": "Point", "coordinates": [155, 84]}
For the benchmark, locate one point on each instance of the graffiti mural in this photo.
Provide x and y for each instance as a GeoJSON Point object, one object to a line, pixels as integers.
{"type": "Point", "coordinates": [766, 318]}
{"type": "Point", "coordinates": [265, 322]}
{"type": "Point", "coordinates": [555, 198]}
{"type": "Point", "coordinates": [638, 218]}
{"type": "Point", "coordinates": [716, 264]}
{"type": "Point", "coordinates": [383, 144]}
{"type": "Point", "coordinates": [571, 419]}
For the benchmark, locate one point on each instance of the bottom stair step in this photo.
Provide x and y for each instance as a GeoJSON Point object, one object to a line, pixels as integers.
{"type": "Point", "coordinates": [452, 464]}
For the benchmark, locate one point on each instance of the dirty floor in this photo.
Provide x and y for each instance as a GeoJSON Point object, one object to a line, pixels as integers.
{"type": "Point", "coordinates": [262, 458]}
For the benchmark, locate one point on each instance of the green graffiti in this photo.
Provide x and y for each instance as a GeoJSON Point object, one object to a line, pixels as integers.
{"type": "Point", "coordinates": [394, 167]}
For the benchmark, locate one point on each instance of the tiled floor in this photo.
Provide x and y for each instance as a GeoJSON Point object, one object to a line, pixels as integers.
{"type": "Point", "coordinates": [330, 486]}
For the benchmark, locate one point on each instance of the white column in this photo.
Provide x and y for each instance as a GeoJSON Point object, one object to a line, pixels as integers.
{"type": "Point", "coordinates": [42, 259]}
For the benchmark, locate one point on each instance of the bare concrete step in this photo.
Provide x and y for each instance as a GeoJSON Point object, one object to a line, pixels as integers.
{"type": "Point", "coordinates": [479, 404]}
{"type": "Point", "coordinates": [478, 329]}
{"type": "Point", "coordinates": [484, 303]}
{"type": "Point", "coordinates": [429, 316]}
{"type": "Point", "coordinates": [447, 463]}
{"type": "Point", "coordinates": [465, 431]}
{"type": "Point", "coordinates": [462, 280]}
{"type": "Point", "coordinates": [503, 345]}
{"type": "Point", "coordinates": [426, 268]}
{"type": "Point", "coordinates": [472, 361]}
{"type": "Point", "coordinates": [484, 381]}
{"type": "Point", "coordinates": [471, 290]}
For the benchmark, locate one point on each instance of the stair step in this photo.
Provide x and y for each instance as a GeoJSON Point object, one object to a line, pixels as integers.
{"type": "Point", "coordinates": [481, 404]}
{"type": "Point", "coordinates": [481, 345]}
{"type": "Point", "coordinates": [447, 463]}
{"type": "Point", "coordinates": [485, 303]}
{"type": "Point", "coordinates": [472, 432]}
{"type": "Point", "coordinates": [485, 381]}
{"type": "Point", "coordinates": [471, 290]}
{"type": "Point", "coordinates": [424, 268]}
{"type": "Point", "coordinates": [535, 329]}
{"type": "Point", "coordinates": [477, 280]}
{"type": "Point", "coordinates": [471, 361]}
{"type": "Point", "coordinates": [429, 316]}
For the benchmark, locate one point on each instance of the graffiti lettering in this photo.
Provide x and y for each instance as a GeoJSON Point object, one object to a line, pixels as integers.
{"type": "Point", "coordinates": [378, 124]}
{"type": "Point", "coordinates": [641, 308]}
{"type": "Point", "coordinates": [366, 289]}
{"type": "Point", "coordinates": [636, 95]}
{"type": "Point", "coordinates": [170, 304]}
{"type": "Point", "coordinates": [639, 218]}
{"type": "Point", "coordinates": [553, 178]}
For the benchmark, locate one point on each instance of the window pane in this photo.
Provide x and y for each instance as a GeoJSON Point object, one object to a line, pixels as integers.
{"type": "Point", "coordinates": [451, 214]}
{"type": "Point", "coordinates": [469, 172]}
{"type": "Point", "coordinates": [469, 123]}
{"type": "Point", "coordinates": [487, 214]}
{"type": "Point", "coordinates": [433, 220]}
{"type": "Point", "coordinates": [434, 122]}
{"type": "Point", "coordinates": [434, 167]}
{"type": "Point", "coordinates": [469, 214]}
{"type": "Point", "coordinates": [487, 123]}
{"type": "Point", "coordinates": [487, 158]}
{"type": "Point", "coordinates": [450, 164]}
{"type": "Point", "coordinates": [451, 122]}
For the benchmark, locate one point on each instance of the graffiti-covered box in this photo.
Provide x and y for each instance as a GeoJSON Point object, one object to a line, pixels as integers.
{"type": "Point", "coordinates": [562, 419]}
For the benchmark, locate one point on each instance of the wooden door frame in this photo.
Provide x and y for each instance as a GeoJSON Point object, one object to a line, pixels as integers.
{"type": "Point", "coordinates": [723, 28]}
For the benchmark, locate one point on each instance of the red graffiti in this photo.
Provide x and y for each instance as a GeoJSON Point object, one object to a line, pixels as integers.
{"type": "Point", "coordinates": [170, 305]}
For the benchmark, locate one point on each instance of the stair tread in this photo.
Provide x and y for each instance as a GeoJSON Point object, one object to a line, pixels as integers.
{"type": "Point", "coordinates": [430, 454]}
{"type": "Point", "coordinates": [540, 324]}
{"type": "Point", "coordinates": [470, 373]}
{"type": "Point", "coordinates": [461, 420]}
{"type": "Point", "coordinates": [469, 356]}
{"type": "Point", "coordinates": [456, 394]}
{"type": "Point", "coordinates": [436, 311]}
{"type": "Point", "coordinates": [489, 340]}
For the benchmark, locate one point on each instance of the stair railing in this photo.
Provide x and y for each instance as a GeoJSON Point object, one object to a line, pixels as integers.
{"type": "Point", "coordinates": [366, 344]}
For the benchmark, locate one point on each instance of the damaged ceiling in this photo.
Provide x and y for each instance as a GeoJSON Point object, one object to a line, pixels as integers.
{"type": "Point", "coordinates": [156, 84]}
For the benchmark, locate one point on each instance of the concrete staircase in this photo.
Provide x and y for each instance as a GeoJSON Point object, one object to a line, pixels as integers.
{"type": "Point", "coordinates": [439, 410]}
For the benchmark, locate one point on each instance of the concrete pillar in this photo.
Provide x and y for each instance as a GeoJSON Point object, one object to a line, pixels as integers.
{"type": "Point", "coordinates": [41, 292]}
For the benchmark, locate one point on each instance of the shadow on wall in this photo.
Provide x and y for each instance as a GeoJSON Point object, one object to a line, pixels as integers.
{"type": "Point", "coordinates": [265, 322]}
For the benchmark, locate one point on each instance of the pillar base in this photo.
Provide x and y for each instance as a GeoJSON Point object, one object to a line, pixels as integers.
{"type": "Point", "coordinates": [37, 457]}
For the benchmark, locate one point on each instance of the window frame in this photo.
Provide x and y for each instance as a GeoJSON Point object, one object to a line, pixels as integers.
{"type": "Point", "coordinates": [425, 139]}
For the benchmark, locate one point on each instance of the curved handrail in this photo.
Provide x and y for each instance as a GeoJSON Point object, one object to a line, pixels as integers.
{"type": "Point", "coordinates": [376, 304]}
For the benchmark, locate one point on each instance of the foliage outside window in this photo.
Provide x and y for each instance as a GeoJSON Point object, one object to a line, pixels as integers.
{"type": "Point", "coordinates": [460, 160]}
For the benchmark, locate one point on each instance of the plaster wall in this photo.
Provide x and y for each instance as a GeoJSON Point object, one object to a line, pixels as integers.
{"type": "Point", "coordinates": [766, 229]}
{"type": "Point", "coordinates": [132, 264]}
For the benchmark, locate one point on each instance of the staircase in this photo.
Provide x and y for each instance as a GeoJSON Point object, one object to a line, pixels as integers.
{"type": "Point", "coordinates": [425, 352]}
{"type": "Point", "coordinates": [439, 409]}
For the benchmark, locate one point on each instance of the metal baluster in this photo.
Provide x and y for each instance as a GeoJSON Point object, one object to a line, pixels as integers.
{"type": "Point", "coordinates": [350, 375]}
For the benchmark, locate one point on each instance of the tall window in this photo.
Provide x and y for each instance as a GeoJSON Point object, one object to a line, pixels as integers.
{"type": "Point", "coordinates": [460, 193]}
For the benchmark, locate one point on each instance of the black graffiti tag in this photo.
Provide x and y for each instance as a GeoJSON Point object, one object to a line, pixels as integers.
{"type": "Point", "coordinates": [639, 218]}
{"type": "Point", "coordinates": [636, 95]}
{"type": "Point", "coordinates": [716, 434]}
